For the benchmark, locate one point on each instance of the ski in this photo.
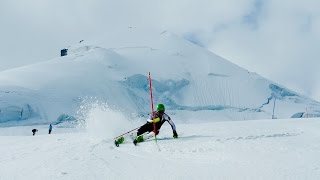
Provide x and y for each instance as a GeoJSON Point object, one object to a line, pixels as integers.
{"type": "Point", "coordinates": [136, 140]}
{"type": "Point", "coordinates": [143, 138]}
{"type": "Point", "coordinates": [120, 139]}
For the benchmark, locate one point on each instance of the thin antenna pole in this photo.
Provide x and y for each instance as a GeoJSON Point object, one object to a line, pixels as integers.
{"type": "Point", "coordinates": [274, 105]}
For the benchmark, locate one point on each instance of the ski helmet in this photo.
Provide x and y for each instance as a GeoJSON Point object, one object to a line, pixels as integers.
{"type": "Point", "coordinates": [160, 107]}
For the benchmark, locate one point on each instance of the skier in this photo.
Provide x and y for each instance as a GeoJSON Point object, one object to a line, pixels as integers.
{"type": "Point", "coordinates": [159, 118]}
{"type": "Point", "coordinates": [34, 131]}
{"type": "Point", "coordinates": [50, 128]}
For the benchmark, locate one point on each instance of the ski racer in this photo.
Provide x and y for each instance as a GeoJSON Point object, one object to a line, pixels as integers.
{"type": "Point", "coordinates": [159, 118]}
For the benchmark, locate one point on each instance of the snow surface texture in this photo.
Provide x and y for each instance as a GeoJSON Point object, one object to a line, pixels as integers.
{"type": "Point", "coordinates": [262, 149]}
{"type": "Point", "coordinates": [191, 81]}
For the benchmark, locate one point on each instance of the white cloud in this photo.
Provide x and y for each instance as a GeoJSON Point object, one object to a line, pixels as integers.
{"type": "Point", "coordinates": [278, 39]}
{"type": "Point", "coordinates": [284, 46]}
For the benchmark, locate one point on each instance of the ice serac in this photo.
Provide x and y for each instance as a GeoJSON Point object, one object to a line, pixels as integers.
{"type": "Point", "coordinates": [187, 78]}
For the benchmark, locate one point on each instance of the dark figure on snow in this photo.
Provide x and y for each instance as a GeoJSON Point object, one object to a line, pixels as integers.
{"type": "Point", "coordinates": [146, 131]}
{"type": "Point", "coordinates": [34, 131]}
{"type": "Point", "coordinates": [50, 128]}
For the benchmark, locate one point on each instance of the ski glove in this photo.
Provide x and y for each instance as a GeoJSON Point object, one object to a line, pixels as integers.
{"type": "Point", "coordinates": [175, 135]}
{"type": "Point", "coordinates": [155, 120]}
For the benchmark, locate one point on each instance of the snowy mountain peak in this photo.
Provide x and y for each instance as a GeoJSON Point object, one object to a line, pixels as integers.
{"type": "Point", "coordinates": [186, 78]}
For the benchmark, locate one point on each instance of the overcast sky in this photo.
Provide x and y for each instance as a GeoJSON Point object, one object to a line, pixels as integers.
{"type": "Point", "coordinates": [278, 39]}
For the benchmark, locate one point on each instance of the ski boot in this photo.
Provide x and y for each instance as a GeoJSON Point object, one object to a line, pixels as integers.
{"type": "Point", "coordinates": [118, 141]}
{"type": "Point", "coordinates": [138, 139]}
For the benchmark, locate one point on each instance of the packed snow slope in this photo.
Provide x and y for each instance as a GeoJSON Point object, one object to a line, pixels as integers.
{"type": "Point", "coordinates": [260, 149]}
{"type": "Point", "coordinates": [188, 79]}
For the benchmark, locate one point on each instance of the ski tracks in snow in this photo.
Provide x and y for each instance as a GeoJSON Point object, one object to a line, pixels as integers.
{"type": "Point", "coordinates": [226, 150]}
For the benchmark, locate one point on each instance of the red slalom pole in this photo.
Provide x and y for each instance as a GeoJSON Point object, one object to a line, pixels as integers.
{"type": "Point", "coordinates": [152, 108]}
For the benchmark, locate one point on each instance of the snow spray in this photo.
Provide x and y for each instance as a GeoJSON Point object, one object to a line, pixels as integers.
{"type": "Point", "coordinates": [104, 122]}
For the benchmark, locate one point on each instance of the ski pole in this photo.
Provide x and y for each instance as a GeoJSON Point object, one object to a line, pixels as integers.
{"type": "Point", "coordinates": [126, 133]}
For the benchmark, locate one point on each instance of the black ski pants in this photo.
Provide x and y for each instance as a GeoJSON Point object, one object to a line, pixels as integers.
{"type": "Point", "coordinates": [148, 127]}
